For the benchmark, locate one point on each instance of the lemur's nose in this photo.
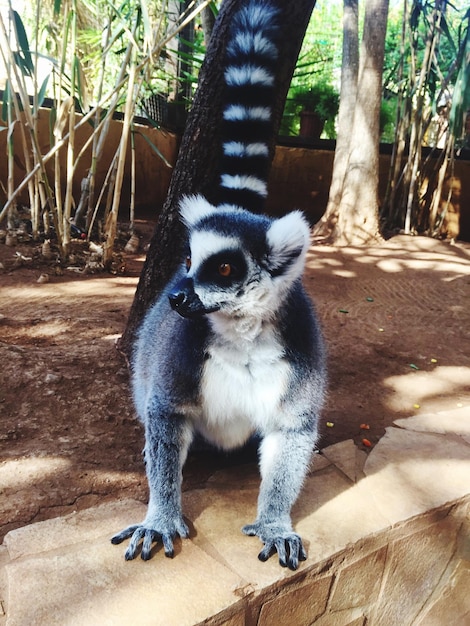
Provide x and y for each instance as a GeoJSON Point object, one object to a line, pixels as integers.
{"type": "Point", "coordinates": [176, 298]}
{"type": "Point", "coordinates": [183, 299]}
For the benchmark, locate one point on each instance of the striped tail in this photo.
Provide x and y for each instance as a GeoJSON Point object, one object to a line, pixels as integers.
{"type": "Point", "coordinates": [250, 64]}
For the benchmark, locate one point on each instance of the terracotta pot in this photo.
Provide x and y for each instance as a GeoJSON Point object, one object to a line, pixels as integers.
{"type": "Point", "coordinates": [311, 125]}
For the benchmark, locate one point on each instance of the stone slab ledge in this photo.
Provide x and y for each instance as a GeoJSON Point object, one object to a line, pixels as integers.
{"type": "Point", "coordinates": [388, 536]}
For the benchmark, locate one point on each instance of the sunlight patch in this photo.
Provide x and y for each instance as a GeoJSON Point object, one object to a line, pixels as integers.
{"type": "Point", "coordinates": [115, 337]}
{"type": "Point", "coordinates": [22, 473]}
{"type": "Point", "coordinates": [47, 329]}
{"type": "Point", "coordinates": [426, 386]}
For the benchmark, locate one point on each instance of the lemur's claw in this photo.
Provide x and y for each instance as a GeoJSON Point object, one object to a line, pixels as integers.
{"type": "Point", "coordinates": [124, 534]}
{"type": "Point", "coordinates": [287, 544]}
{"type": "Point", "coordinates": [149, 536]}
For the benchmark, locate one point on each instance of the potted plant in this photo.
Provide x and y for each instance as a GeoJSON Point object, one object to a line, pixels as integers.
{"type": "Point", "coordinates": [318, 104]}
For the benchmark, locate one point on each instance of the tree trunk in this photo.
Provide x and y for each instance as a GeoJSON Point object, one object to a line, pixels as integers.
{"type": "Point", "coordinates": [355, 218]}
{"type": "Point", "coordinates": [196, 170]}
{"type": "Point", "coordinates": [208, 21]}
{"type": "Point", "coordinates": [349, 75]}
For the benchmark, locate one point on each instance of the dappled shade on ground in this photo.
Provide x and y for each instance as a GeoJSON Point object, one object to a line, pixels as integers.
{"type": "Point", "coordinates": [396, 320]}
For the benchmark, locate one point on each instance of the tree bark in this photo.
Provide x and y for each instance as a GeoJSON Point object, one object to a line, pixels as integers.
{"type": "Point", "coordinates": [196, 170]}
{"type": "Point", "coordinates": [354, 220]}
{"type": "Point", "coordinates": [208, 21]}
{"type": "Point", "coordinates": [347, 102]}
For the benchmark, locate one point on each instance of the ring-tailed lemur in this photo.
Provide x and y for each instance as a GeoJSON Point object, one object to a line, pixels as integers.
{"type": "Point", "coordinates": [245, 355]}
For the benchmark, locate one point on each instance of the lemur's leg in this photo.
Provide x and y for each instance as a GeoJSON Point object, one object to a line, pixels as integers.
{"type": "Point", "coordinates": [167, 439]}
{"type": "Point", "coordinates": [284, 460]}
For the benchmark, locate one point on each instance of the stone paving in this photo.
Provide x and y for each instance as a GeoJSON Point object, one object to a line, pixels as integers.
{"type": "Point", "coordinates": [388, 536]}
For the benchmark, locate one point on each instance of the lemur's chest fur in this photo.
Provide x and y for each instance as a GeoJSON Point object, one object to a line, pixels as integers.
{"type": "Point", "coordinates": [243, 382]}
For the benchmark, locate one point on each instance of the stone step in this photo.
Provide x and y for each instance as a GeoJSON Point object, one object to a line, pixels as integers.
{"type": "Point", "coordinates": [387, 535]}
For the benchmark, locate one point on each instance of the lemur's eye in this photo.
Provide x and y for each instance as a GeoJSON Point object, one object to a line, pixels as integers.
{"type": "Point", "coordinates": [225, 269]}
{"type": "Point", "coordinates": [188, 263]}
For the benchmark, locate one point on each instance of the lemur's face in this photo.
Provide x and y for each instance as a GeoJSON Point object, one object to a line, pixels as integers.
{"type": "Point", "coordinates": [238, 263]}
{"type": "Point", "coordinates": [224, 275]}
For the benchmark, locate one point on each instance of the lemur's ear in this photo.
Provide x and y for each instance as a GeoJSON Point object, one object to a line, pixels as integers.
{"type": "Point", "coordinates": [288, 239]}
{"type": "Point", "coordinates": [194, 208]}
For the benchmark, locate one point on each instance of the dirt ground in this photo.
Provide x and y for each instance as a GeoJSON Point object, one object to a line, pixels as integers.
{"type": "Point", "coordinates": [396, 318]}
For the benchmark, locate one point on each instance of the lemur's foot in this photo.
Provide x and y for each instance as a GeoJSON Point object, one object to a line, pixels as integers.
{"type": "Point", "coordinates": [148, 535]}
{"type": "Point", "coordinates": [285, 542]}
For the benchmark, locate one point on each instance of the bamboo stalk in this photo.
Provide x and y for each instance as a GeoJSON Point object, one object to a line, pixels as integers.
{"type": "Point", "coordinates": [418, 125]}
{"type": "Point", "coordinates": [106, 184]}
{"type": "Point", "coordinates": [96, 135]}
{"type": "Point", "coordinates": [9, 62]}
{"type": "Point", "coordinates": [36, 177]}
{"type": "Point", "coordinates": [111, 223]}
{"type": "Point", "coordinates": [133, 178]}
{"type": "Point", "coordinates": [436, 197]}
{"type": "Point", "coordinates": [400, 125]}
{"type": "Point", "coordinates": [67, 212]}
{"type": "Point", "coordinates": [39, 183]}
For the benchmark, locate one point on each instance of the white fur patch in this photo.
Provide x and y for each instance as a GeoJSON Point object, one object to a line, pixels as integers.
{"type": "Point", "coordinates": [231, 207]}
{"type": "Point", "coordinates": [239, 113]}
{"type": "Point", "coordinates": [204, 244]}
{"type": "Point", "coordinates": [263, 46]}
{"type": "Point", "coordinates": [243, 383]}
{"type": "Point", "coordinates": [248, 75]}
{"type": "Point", "coordinates": [239, 149]}
{"type": "Point", "coordinates": [249, 43]}
{"type": "Point", "coordinates": [270, 450]}
{"type": "Point", "coordinates": [287, 236]}
{"type": "Point", "coordinates": [258, 16]}
{"type": "Point", "coordinates": [245, 182]}
{"type": "Point", "coordinates": [195, 208]}
{"type": "Point", "coordinates": [243, 315]}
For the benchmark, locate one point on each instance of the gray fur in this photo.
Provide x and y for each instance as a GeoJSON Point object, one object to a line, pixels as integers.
{"type": "Point", "coordinates": [244, 357]}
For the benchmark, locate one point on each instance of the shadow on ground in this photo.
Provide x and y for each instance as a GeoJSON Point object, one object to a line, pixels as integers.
{"type": "Point", "coordinates": [395, 317]}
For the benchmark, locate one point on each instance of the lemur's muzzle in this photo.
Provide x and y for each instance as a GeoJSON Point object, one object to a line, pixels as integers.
{"type": "Point", "coordinates": [185, 301]}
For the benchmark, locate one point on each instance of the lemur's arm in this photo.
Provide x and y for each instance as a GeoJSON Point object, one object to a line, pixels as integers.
{"type": "Point", "coordinates": [284, 459]}
{"type": "Point", "coordinates": [167, 439]}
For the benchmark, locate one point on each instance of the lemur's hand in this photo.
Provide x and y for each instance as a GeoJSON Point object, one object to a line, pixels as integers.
{"type": "Point", "coordinates": [149, 534]}
{"type": "Point", "coordinates": [284, 541]}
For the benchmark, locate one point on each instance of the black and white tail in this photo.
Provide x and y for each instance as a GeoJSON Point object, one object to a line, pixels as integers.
{"type": "Point", "coordinates": [250, 64]}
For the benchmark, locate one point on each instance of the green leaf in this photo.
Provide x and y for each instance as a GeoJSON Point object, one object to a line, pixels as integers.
{"type": "Point", "coordinates": [415, 15]}
{"type": "Point", "coordinates": [65, 36]}
{"type": "Point", "coordinates": [461, 95]}
{"type": "Point", "coordinates": [213, 7]}
{"type": "Point", "coordinates": [23, 56]}
{"type": "Point", "coordinates": [6, 102]}
{"type": "Point", "coordinates": [146, 23]}
{"type": "Point", "coordinates": [445, 29]}
{"type": "Point", "coordinates": [80, 81]}
{"type": "Point", "coordinates": [42, 90]}
{"type": "Point", "coordinates": [155, 149]}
